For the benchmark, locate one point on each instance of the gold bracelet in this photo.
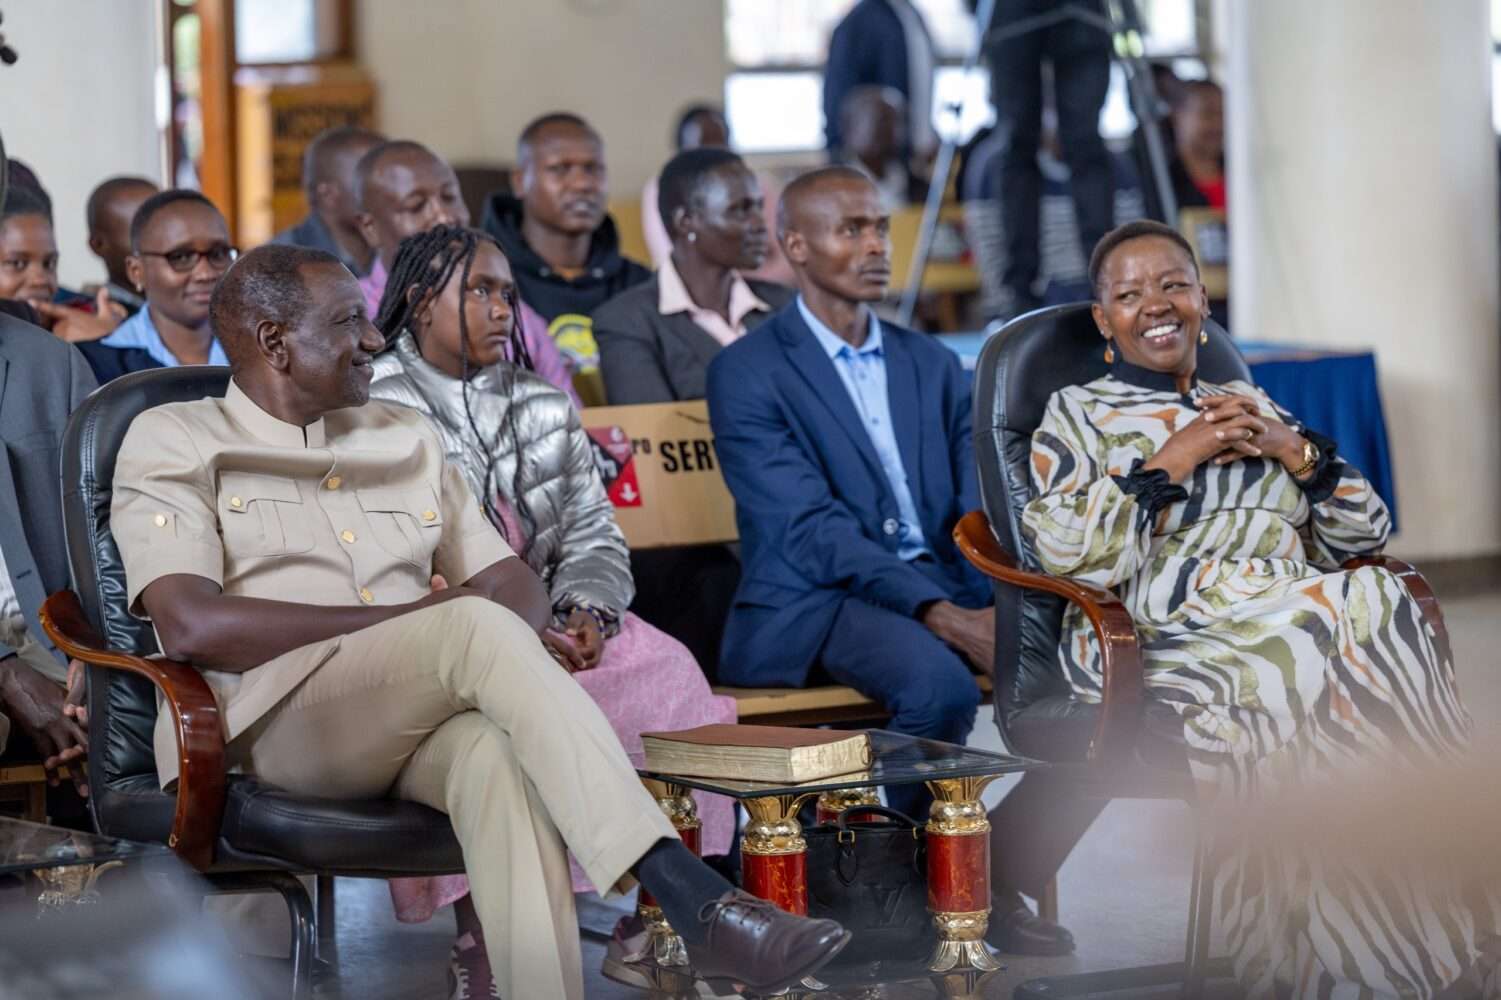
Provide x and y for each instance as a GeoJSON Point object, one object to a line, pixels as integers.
{"type": "Point", "coordinates": [1310, 460]}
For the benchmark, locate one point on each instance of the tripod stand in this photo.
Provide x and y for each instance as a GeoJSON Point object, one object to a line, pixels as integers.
{"type": "Point", "coordinates": [1122, 22]}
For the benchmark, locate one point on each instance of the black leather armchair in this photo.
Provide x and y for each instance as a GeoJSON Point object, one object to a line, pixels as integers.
{"type": "Point", "coordinates": [1127, 746]}
{"type": "Point", "coordinates": [242, 834]}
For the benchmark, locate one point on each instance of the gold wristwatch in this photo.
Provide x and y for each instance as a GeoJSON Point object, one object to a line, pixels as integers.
{"type": "Point", "coordinates": [1310, 459]}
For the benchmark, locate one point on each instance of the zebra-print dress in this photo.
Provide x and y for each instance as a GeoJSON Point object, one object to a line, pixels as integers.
{"type": "Point", "coordinates": [1279, 663]}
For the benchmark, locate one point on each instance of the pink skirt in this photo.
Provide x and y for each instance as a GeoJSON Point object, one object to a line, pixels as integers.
{"type": "Point", "coordinates": [646, 681]}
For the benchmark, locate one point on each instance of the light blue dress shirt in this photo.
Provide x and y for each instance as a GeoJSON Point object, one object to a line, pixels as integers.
{"type": "Point", "coordinates": [863, 372]}
{"type": "Point", "coordinates": [138, 331]}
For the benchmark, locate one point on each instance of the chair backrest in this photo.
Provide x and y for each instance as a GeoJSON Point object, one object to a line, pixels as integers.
{"type": "Point", "coordinates": [1019, 369]}
{"type": "Point", "coordinates": [122, 707]}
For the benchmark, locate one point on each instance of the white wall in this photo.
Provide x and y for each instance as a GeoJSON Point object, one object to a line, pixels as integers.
{"type": "Point", "coordinates": [1363, 205]}
{"type": "Point", "coordinates": [78, 106]}
{"type": "Point", "coordinates": [465, 76]}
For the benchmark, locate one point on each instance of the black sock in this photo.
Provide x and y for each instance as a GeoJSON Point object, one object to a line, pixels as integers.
{"type": "Point", "coordinates": [681, 883]}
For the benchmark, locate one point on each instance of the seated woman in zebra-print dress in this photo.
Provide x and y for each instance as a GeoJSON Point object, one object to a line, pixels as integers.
{"type": "Point", "coordinates": [1221, 523]}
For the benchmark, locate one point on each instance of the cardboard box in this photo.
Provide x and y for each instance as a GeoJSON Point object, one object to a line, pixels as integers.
{"type": "Point", "coordinates": [662, 474]}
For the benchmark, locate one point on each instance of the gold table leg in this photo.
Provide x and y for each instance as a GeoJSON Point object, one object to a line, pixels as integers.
{"type": "Point", "coordinates": [773, 853]}
{"type": "Point", "coordinates": [959, 875]}
{"type": "Point", "coordinates": [664, 945]}
{"type": "Point", "coordinates": [69, 885]}
{"type": "Point", "coordinates": [831, 804]}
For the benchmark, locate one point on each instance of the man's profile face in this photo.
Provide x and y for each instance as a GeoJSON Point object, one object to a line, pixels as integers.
{"type": "Point", "coordinates": [110, 240]}
{"type": "Point", "coordinates": [335, 194]}
{"type": "Point", "coordinates": [563, 186]}
{"type": "Point", "coordinates": [332, 347]}
{"type": "Point", "coordinates": [840, 239]}
{"type": "Point", "coordinates": [409, 192]}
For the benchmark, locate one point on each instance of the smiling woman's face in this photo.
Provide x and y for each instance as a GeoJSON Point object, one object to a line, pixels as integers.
{"type": "Point", "coordinates": [1151, 304]}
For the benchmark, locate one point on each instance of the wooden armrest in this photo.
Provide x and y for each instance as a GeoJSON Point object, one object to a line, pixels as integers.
{"type": "Point", "coordinates": [1421, 592]}
{"type": "Point", "coordinates": [1120, 655]}
{"type": "Point", "coordinates": [200, 737]}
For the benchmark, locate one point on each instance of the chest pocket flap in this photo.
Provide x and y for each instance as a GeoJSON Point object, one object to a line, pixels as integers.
{"type": "Point", "coordinates": [262, 515]}
{"type": "Point", "coordinates": [405, 521]}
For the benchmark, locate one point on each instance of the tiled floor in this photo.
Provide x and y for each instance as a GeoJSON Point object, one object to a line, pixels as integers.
{"type": "Point", "coordinates": [1124, 892]}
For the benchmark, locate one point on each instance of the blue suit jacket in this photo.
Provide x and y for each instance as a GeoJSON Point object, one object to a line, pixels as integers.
{"type": "Point", "coordinates": [811, 498]}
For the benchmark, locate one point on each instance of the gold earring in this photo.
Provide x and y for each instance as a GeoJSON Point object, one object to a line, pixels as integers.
{"type": "Point", "coordinates": [1203, 336]}
{"type": "Point", "coordinates": [1109, 353]}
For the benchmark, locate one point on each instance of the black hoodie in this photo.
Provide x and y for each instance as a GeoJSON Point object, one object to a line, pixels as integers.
{"type": "Point", "coordinates": [567, 305]}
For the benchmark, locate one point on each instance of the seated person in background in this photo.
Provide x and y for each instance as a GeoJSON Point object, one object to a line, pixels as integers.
{"type": "Point", "coordinates": [179, 249]}
{"type": "Point", "coordinates": [343, 670]}
{"type": "Point", "coordinates": [404, 188]}
{"type": "Point", "coordinates": [332, 223]}
{"type": "Point", "coordinates": [561, 242]}
{"type": "Point", "coordinates": [28, 271]}
{"type": "Point", "coordinates": [1197, 157]}
{"type": "Point", "coordinates": [656, 341]}
{"type": "Point", "coordinates": [47, 380]}
{"type": "Point", "coordinates": [111, 207]}
{"type": "Point", "coordinates": [874, 137]}
{"type": "Point", "coordinates": [1222, 524]}
{"type": "Point", "coordinates": [457, 357]}
{"type": "Point", "coordinates": [846, 444]}
{"type": "Point", "coordinates": [703, 126]}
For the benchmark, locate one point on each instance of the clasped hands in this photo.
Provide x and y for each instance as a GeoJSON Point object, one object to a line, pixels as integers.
{"type": "Point", "coordinates": [577, 646]}
{"type": "Point", "coordinates": [1229, 427]}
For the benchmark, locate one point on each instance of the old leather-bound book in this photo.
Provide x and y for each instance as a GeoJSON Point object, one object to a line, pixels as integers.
{"type": "Point", "coordinates": [757, 753]}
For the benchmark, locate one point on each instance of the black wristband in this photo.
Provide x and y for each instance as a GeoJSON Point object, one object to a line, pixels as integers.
{"type": "Point", "coordinates": [1152, 488]}
{"type": "Point", "coordinates": [1328, 469]}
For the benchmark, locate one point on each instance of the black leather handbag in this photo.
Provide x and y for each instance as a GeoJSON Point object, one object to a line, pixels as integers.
{"type": "Point", "coordinates": [872, 877]}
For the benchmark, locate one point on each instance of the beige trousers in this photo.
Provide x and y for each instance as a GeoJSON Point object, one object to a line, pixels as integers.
{"type": "Point", "coordinates": [458, 706]}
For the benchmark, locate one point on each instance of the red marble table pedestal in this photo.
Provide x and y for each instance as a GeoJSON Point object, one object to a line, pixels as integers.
{"type": "Point", "coordinates": [665, 947]}
{"type": "Point", "coordinates": [958, 836]}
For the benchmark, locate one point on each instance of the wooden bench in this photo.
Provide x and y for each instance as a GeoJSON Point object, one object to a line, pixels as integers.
{"type": "Point", "coordinates": [815, 706]}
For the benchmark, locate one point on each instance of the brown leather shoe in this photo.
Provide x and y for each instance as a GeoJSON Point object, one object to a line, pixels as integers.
{"type": "Point", "coordinates": [751, 942]}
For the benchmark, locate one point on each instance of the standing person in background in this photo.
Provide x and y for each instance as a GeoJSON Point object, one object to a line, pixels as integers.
{"type": "Point", "coordinates": [560, 240]}
{"type": "Point", "coordinates": [111, 207]}
{"type": "Point", "coordinates": [1079, 55]}
{"type": "Point", "coordinates": [885, 43]}
{"type": "Point", "coordinates": [703, 126]}
{"type": "Point", "coordinates": [404, 189]}
{"type": "Point", "coordinates": [332, 223]}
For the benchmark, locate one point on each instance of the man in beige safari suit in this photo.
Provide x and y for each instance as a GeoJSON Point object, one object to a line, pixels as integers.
{"type": "Point", "coordinates": [284, 538]}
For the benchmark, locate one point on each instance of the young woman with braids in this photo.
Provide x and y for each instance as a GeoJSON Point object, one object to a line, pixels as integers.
{"type": "Point", "coordinates": [455, 353]}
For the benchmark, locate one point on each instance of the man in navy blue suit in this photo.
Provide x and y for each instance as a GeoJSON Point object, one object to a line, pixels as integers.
{"type": "Point", "coordinates": [846, 443]}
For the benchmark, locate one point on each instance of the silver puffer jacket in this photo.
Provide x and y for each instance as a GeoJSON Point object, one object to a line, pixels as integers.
{"type": "Point", "coordinates": [575, 545]}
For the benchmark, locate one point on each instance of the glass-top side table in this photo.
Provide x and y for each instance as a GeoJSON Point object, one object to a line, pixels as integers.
{"type": "Point", "coordinates": [774, 852]}
{"type": "Point", "coordinates": [67, 861]}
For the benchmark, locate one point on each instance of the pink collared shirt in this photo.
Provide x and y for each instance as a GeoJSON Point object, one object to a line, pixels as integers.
{"type": "Point", "coordinates": [546, 359]}
{"type": "Point", "coordinates": [673, 297]}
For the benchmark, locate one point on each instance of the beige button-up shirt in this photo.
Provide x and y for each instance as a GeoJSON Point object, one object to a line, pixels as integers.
{"type": "Point", "coordinates": [356, 508]}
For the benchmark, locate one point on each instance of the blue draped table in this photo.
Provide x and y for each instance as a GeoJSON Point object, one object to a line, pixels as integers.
{"type": "Point", "coordinates": [1333, 392]}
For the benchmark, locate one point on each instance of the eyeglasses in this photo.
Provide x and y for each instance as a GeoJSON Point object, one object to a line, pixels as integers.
{"type": "Point", "coordinates": [184, 260]}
